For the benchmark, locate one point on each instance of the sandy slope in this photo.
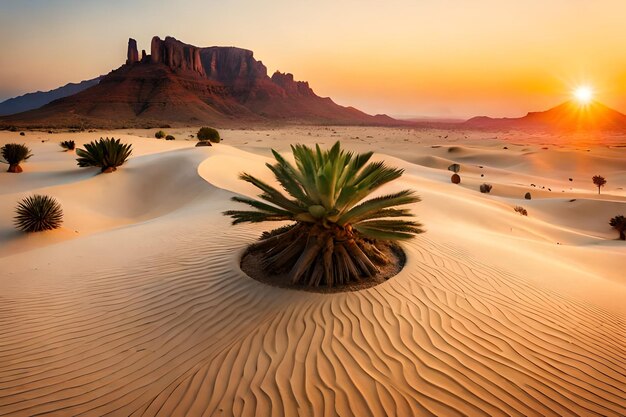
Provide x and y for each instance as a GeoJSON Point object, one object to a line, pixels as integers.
{"type": "Point", "coordinates": [137, 305]}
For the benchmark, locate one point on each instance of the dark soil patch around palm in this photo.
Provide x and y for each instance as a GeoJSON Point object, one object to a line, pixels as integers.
{"type": "Point", "coordinates": [251, 261]}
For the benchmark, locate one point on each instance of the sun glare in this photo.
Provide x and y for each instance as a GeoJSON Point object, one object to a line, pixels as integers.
{"type": "Point", "coordinates": [583, 94]}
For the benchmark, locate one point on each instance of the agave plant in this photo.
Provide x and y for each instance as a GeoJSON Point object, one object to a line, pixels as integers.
{"type": "Point", "coordinates": [14, 154]}
{"type": "Point", "coordinates": [107, 154]}
{"type": "Point", "coordinates": [68, 145]}
{"type": "Point", "coordinates": [334, 237]}
{"type": "Point", "coordinates": [37, 213]}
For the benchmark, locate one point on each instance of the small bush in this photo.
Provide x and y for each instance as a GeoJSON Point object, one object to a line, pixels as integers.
{"type": "Point", "coordinates": [22, 134]}
{"type": "Point", "coordinates": [527, 196]}
{"type": "Point", "coordinates": [68, 145]}
{"type": "Point", "coordinates": [208, 133]}
{"type": "Point", "coordinates": [37, 213]}
{"type": "Point", "coordinates": [170, 137]}
{"type": "Point", "coordinates": [521, 210]}
{"type": "Point", "coordinates": [107, 154]}
{"type": "Point", "coordinates": [14, 154]}
{"type": "Point", "coordinates": [13, 129]}
{"type": "Point", "coordinates": [485, 188]}
{"type": "Point", "coordinates": [160, 134]}
{"type": "Point", "coordinates": [619, 223]}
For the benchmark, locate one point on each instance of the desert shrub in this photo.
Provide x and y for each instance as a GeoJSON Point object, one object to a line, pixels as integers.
{"type": "Point", "coordinates": [68, 145]}
{"type": "Point", "coordinates": [160, 134]}
{"type": "Point", "coordinates": [485, 188]}
{"type": "Point", "coordinates": [107, 154]}
{"type": "Point", "coordinates": [619, 223]}
{"type": "Point", "coordinates": [170, 137]}
{"type": "Point", "coordinates": [12, 129]}
{"type": "Point", "coordinates": [521, 210]}
{"type": "Point", "coordinates": [527, 196]}
{"type": "Point", "coordinates": [334, 237]}
{"type": "Point", "coordinates": [208, 133]}
{"type": "Point", "coordinates": [22, 134]}
{"type": "Point", "coordinates": [14, 154]}
{"type": "Point", "coordinates": [37, 213]}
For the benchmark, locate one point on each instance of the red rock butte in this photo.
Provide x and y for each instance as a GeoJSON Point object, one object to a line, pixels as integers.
{"type": "Point", "coordinates": [181, 84]}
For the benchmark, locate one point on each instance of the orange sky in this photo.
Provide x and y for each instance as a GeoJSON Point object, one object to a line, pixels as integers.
{"type": "Point", "coordinates": [440, 58]}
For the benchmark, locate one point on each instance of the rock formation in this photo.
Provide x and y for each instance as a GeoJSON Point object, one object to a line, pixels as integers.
{"type": "Point", "coordinates": [184, 84]}
{"type": "Point", "coordinates": [132, 55]}
{"type": "Point", "coordinates": [176, 55]}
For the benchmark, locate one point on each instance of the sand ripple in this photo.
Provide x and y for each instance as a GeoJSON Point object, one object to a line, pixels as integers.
{"type": "Point", "coordinates": [186, 333]}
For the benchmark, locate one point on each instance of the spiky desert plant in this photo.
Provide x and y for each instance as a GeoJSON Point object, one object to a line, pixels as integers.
{"type": "Point", "coordinates": [68, 145]}
{"type": "Point", "coordinates": [455, 179]}
{"type": "Point", "coordinates": [107, 154]}
{"type": "Point", "coordinates": [14, 154]}
{"type": "Point", "coordinates": [599, 181]}
{"type": "Point", "coordinates": [37, 213]}
{"type": "Point", "coordinates": [619, 223]}
{"type": "Point", "coordinates": [336, 237]}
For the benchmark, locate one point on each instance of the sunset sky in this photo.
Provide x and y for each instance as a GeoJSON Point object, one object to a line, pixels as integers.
{"type": "Point", "coordinates": [444, 58]}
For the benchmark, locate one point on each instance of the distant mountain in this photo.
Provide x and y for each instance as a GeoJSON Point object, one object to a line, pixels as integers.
{"type": "Point", "coordinates": [569, 116]}
{"type": "Point", "coordinates": [181, 84]}
{"type": "Point", "coordinates": [35, 100]}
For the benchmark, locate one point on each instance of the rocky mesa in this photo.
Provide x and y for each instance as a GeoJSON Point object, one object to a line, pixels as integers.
{"type": "Point", "coordinates": [182, 84]}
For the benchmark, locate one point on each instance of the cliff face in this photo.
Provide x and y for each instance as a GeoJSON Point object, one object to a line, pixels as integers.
{"type": "Point", "coordinates": [176, 55]}
{"type": "Point", "coordinates": [184, 84]}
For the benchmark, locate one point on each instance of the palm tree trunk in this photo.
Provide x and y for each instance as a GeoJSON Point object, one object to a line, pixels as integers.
{"type": "Point", "coordinates": [622, 235]}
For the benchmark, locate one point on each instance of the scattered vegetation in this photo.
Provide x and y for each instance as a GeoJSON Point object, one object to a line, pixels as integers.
{"type": "Point", "coordinates": [170, 137]}
{"type": "Point", "coordinates": [107, 154]}
{"type": "Point", "coordinates": [22, 134]}
{"type": "Point", "coordinates": [527, 196]}
{"type": "Point", "coordinates": [485, 188]}
{"type": "Point", "coordinates": [160, 134]}
{"type": "Point", "coordinates": [208, 133]}
{"type": "Point", "coordinates": [14, 154]}
{"type": "Point", "coordinates": [521, 210]}
{"type": "Point", "coordinates": [599, 181]}
{"type": "Point", "coordinates": [68, 145]}
{"type": "Point", "coordinates": [619, 223]}
{"type": "Point", "coordinates": [456, 179]}
{"type": "Point", "coordinates": [37, 213]}
{"type": "Point", "coordinates": [335, 238]}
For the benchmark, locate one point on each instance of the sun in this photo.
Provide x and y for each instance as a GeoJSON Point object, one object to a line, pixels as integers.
{"type": "Point", "coordinates": [583, 94]}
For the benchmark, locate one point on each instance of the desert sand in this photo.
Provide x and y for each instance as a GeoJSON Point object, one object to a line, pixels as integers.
{"type": "Point", "coordinates": [137, 305]}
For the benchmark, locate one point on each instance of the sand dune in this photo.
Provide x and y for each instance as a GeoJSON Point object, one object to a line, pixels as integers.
{"type": "Point", "coordinates": [145, 311]}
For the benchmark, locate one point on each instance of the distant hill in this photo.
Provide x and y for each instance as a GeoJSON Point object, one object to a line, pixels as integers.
{"type": "Point", "coordinates": [181, 84]}
{"type": "Point", "coordinates": [569, 116]}
{"type": "Point", "coordinates": [35, 100]}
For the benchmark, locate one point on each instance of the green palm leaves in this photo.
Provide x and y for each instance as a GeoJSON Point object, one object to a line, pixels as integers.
{"type": "Point", "coordinates": [326, 187]}
{"type": "Point", "coordinates": [107, 154]}
{"type": "Point", "coordinates": [335, 233]}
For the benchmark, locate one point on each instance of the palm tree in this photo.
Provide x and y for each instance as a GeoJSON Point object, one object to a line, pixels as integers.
{"type": "Point", "coordinates": [599, 181]}
{"type": "Point", "coordinates": [335, 237]}
{"type": "Point", "coordinates": [619, 223]}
